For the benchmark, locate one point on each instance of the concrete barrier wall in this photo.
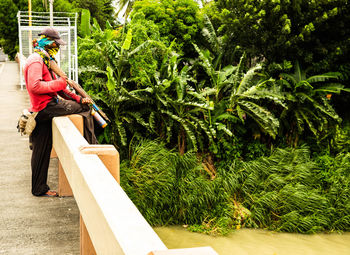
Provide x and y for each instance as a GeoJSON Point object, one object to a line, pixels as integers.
{"type": "Point", "coordinates": [113, 223]}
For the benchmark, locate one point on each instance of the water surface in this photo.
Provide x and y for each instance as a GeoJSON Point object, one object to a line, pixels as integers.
{"type": "Point", "coordinates": [258, 242]}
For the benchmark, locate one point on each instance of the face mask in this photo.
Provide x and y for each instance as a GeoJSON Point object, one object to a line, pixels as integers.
{"type": "Point", "coordinates": [53, 51]}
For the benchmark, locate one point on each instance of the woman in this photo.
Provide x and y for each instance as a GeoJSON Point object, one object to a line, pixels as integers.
{"type": "Point", "coordinates": [50, 98]}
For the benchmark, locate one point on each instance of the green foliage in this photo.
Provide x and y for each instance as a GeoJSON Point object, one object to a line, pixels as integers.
{"type": "Point", "coordinates": [58, 6]}
{"type": "Point", "coordinates": [168, 75]}
{"type": "Point", "coordinates": [254, 150]}
{"type": "Point", "coordinates": [8, 27]}
{"type": "Point", "coordinates": [338, 192]}
{"type": "Point", "coordinates": [314, 32]}
{"type": "Point", "coordinates": [125, 5]}
{"type": "Point", "coordinates": [101, 10]}
{"type": "Point", "coordinates": [282, 192]}
{"type": "Point", "coordinates": [144, 85]}
{"type": "Point", "coordinates": [167, 187]}
{"type": "Point", "coordinates": [341, 139]}
{"type": "Point", "coordinates": [85, 23]}
{"type": "Point", "coordinates": [176, 20]}
{"type": "Point", "coordinates": [243, 91]}
{"type": "Point", "coordinates": [307, 103]}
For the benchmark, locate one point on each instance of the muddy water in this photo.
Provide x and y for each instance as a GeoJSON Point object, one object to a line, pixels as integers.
{"type": "Point", "coordinates": [258, 242]}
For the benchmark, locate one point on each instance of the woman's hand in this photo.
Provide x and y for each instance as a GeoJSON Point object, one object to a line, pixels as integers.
{"type": "Point", "coordinates": [86, 100]}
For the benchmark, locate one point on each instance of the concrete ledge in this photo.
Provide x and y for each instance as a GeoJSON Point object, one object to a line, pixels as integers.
{"type": "Point", "coordinates": [114, 224]}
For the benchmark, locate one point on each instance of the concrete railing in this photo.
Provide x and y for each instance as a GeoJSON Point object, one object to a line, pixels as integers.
{"type": "Point", "coordinates": [110, 220]}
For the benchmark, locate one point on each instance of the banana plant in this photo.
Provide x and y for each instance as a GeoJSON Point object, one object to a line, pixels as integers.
{"type": "Point", "coordinates": [308, 100]}
{"type": "Point", "coordinates": [244, 92]}
{"type": "Point", "coordinates": [181, 108]}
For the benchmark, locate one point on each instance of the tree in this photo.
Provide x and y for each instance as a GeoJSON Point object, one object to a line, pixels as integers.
{"type": "Point", "coordinates": [58, 6]}
{"type": "Point", "coordinates": [8, 27]}
{"type": "Point", "coordinates": [125, 4]}
{"type": "Point", "coordinates": [147, 93]}
{"type": "Point", "coordinates": [177, 20]}
{"type": "Point", "coordinates": [101, 10]}
{"type": "Point", "coordinates": [313, 32]}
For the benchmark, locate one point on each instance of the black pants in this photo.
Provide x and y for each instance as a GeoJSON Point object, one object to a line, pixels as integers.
{"type": "Point", "coordinates": [41, 138]}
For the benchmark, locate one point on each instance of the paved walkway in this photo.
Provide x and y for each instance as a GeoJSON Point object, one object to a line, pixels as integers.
{"type": "Point", "coordinates": [28, 225]}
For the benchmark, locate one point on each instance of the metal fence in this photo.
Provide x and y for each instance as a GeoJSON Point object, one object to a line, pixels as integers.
{"type": "Point", "coordinates": [30, 25]}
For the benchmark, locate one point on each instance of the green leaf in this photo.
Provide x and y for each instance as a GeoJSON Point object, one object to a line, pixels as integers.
{"type": "Point", "coordinates": [323, 77]}
{"type": "Point", "coordinates": [140, 48]}
{"type": "Point", "coordinates": [111, 83]}
{"type": "Point", "coordinates": [121, 132]}
{"type": "Point", "coordinates": [127, 43]}
{"type": "Point", "coordinates": [267, 121]}
{"type": "Point", "coordinates": [96, 25]}
{"type": "Point", "coordinates": [85, 23]}
{"type": "Point", "coordinates": [330, 88]}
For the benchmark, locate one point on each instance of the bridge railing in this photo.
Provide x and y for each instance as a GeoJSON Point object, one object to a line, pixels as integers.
{"type": "Point", "coordinates": [109, 218]}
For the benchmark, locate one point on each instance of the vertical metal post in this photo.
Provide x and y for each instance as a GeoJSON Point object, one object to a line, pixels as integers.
{"type": "Point", "coordinates": [76, 47]}
{"type": "Point", "coordinates": [20, 50]}
{"type": "Point", "coordinates": [69, 52]}
{"type": "Point", "coordinates": [51, 13]}
{"type": "Point", "coordinates": [30, 24]}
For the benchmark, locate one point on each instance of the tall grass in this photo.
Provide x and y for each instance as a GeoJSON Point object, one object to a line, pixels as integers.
{"type": "Point", "coordinates": [283, 192]}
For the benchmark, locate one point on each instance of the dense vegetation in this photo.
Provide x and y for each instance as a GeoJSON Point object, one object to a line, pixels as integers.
{"type": "Point", "coordinates": [286, 191]}
{"type": "Point", "coordinates": [228, 117]}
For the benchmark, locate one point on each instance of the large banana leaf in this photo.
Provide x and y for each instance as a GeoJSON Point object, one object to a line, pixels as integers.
{"type": "Point", "coordinates": [267, 121]}
{"type": "Point", "coordinates": [85, 23]}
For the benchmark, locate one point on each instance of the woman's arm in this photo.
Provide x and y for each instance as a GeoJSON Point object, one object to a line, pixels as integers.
{"type": "Point", "coordinates": [69, 95]}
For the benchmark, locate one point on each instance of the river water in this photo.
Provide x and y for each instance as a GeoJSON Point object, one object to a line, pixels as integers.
{"type": "Point", "coordinates": [258, 242]}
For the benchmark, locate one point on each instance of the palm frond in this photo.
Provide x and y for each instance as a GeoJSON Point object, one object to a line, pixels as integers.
{"type": "Point", "coordinates": [277, 98]}
{"type": "Point", "coordinates": [152, 121]}
{"type": "Point", "coordinates": [299, 122]}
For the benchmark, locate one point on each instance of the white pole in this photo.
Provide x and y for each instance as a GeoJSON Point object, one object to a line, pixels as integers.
{"type": "Point", "coordinates": [20, 50]}
{"type": "Point", "coordinates": [76, 47]}
{"type": "Point", "coordinates": [51, 13]}
{"type": "Point", "coordinates": [30, 24]}
{"type": "Point", "coordinates": [69, 52]}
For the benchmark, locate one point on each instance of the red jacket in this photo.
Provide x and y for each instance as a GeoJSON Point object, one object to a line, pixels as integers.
{"type": "Point", "coordinates": [41, 87]}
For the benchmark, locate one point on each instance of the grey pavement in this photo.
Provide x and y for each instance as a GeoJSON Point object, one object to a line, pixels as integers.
{"type": "Point", "coordinates": [28, 225]}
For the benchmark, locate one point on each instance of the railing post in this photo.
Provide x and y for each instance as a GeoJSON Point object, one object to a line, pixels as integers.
{"type": "Point", "coordinates": [86, 246]}
{"type": "Point", "coordinates": [64, 189]}
{"type": "Point", "coordinates": [110, 158]}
